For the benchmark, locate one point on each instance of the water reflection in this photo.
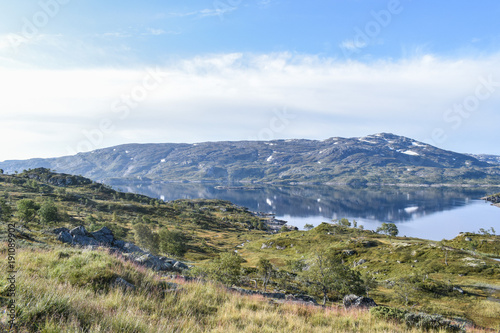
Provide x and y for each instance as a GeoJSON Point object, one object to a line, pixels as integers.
{"type": "Point", "coordinates": [313, 204]}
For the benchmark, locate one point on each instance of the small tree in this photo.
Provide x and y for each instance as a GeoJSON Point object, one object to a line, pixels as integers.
{"type": "Point", "coordinates": [48, 212]}
{"type": "Point", "coordinates": [5, 210]}
{"type": "Point", "coordinates": [172, 242]}
{"type": "Point", "coordinates": [326, 273]}
{"type": "Point", "coordinates": [265, 269]}
{"type": "Point", "coordinates": [146, 238]}
{"type": "Point", "coordinates": [389, 229]}
{"type": "Point", "coordinates": [344, 222]}
{"type": "Point", "coordinates": [308, 226]}
{"type": "Point", "coordinates": [27, 210]}
{"type": "Point", "coordinates": [284, 228]}
{"type": "Point", "coordinates": [225, 269]}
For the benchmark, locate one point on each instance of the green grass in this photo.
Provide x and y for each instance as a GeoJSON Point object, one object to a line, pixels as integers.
{"type": "Point", "coordinates": [50, 304]}
{"type": "Point", "coordinates": [62, 284]}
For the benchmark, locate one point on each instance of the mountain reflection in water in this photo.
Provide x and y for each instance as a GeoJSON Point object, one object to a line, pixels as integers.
{"type": "Point", "coordinates": [300, 204]}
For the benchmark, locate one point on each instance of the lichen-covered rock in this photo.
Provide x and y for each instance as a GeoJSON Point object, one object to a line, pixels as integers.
{"type": "Point", "coordinates": [80, 240]}
{"type": "Point", "coordinates": [123, 284]}
{"type": "Point", "coordinates": [358, 302]}
{"type": "Point", "coordinates": [103, 236]}
{"type": "Point", "coordinates": [131, 248]}
{"type": "Point", "coordinates": [349, 252]}
{"type": "Point", "coordinates": [65, 237]}
{"type": "Point", "coordinates": [78, 231]}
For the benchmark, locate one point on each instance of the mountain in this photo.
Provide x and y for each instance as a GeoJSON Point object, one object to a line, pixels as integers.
{"type": "Point", "coordinates": [492, 159]}
{"type": "Point", "coordinates": [380, 158]}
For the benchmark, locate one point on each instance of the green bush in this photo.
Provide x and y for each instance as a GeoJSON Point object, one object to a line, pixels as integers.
{"type": "Point", "coordinates": [422, 321]}
{"type": "Point", "coordinates": [388, 313]}
{"type": "Point", "coordinates": [427, 322]}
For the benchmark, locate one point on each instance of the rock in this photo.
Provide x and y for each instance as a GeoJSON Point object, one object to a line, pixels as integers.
{"type": "Point", "coordinates": [65, 237]}
{"type": "Point", "coordinates": [266, 246]}
{"type": "Point", "coordinates": [57, 231]}
{"type": "Point", "coordinates": [280, 247]}
{"type": "Point", "coordinates": [180, 266]}
{"type": "Point", "coordinates": [78, 231]}
{"type": "Point", "coordinates": [118, 243]}
{"type": "Point", "coordinates": [349, 252]}
{"type": "Point", "coordinates": [369, 243]}
{"type": "Point", "coordinates": [468, 239]}
{"type": "Point", "coordinates": [84, 240]}
{"type": "Point", "coordinates": [103, 236]}
{"type": "Point", "coordinates": [460, 290]}
{"type": "Point", "coordinates": [301, 299]}
{"type": "Point", "coordinates": [131, 248]}
{"type": "Point", "coordinates": [360, 262]}
{"type": "Point", "coordinates": [122, 283]}
{"type": "Point", "coordinates": [143, 259]}
{"type": "Point", "coordinates": [358, 302]}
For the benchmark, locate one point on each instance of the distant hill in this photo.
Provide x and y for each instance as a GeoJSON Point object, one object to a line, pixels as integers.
{"type": "Point", "coordinates": [375, 159]}
{"type": "Point", "coordinates": [492, 159]}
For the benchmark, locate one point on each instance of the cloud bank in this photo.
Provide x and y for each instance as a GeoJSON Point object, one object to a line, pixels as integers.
{"type": "Point", "coordinates": [243, 96]}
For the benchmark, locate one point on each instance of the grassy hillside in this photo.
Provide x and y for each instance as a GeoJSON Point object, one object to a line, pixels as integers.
{"type": "Point", "coordinates": [63, 289]}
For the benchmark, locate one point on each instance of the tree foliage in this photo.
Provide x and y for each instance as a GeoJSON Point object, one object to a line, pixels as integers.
{"type": "Point", "coordinates": [327, 274]}
{"type": "Point", "coordinates": [27, 210]}
{"type": "Point", "coordinates": [308, 226]}
{"type": "Point", "coordinates": [265, 269]}
{"type": "Point", "coordinates": [225, 269]}
{"type": "Point", "coordinates": [145, 238]}
{"type": "Point", "coordinates": [48, 212]}
{"type": "Point", "coordinates": [172, 242]}
{"type": "Point", "coordinates": [5, 210]}
{"type": "Point", "coordinates": [389, 229]}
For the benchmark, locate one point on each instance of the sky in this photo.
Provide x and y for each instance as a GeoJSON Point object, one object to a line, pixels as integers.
{"type": "Point", "coordinates": [82, 75]}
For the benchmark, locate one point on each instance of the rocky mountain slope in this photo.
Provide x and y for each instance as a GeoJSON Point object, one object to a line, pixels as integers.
{"type": "Point", "coordinates": [380, 158]}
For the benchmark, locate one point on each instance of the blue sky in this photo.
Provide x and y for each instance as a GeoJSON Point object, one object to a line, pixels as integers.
{"type": "Point", "coordinates": [81, 75]}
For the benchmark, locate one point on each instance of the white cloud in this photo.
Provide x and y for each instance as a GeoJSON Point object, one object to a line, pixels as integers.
{"type": "Point", "coordinates": [235, 96]}
{"type": "Point", "coordinates": [207, 12]}
{"type": "Point", "coordinates": [351, 44]}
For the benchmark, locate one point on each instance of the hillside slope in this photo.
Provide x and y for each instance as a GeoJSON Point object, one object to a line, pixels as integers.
{"type": "Point", "coordinates": [61, 288]}
{"type": "Point", "coordinates": [378, 159]}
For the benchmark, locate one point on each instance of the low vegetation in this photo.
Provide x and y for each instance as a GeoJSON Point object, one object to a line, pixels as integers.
{"type": "Point", "coordinates": [418, 284]}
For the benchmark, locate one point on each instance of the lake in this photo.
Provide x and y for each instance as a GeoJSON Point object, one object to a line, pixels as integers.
{"type": "Point", "coordinates": [431, 213]}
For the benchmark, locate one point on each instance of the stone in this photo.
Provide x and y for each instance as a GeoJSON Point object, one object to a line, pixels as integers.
{"type": "Point", "coordinates": [180, 266]}
{"type": "Point", "coordinates": [468, 239]}
{"type": "Point", "coordinates": [103, 236]}
{"type": "Point", "coordinates": [65, 237]}
{"type": "Point", "coordinates": [280, 247]}
{"type": "Point", "coordinates": [57, 231]}
{"type": "Point", "coordinates": [123, 284]}
{"type": "Point", "coordinates": [360, 262]}
{"type": "Point", "coordinates": [118, 243]}
{"type": "Point", "coordinates": [78, 231]}
{"type": "Point", "coordinates": [131, 248]}
{"type": "Point", "coordinates": [84, 240]}
{"type": "Point", "coordinates": [358, 302]}
{"type": "Point", "coordinates": [349, 252]}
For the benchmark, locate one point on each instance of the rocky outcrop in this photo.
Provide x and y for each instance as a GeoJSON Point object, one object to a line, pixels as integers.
{"type": "Point", "coordinates": [123, 284]}
{"type": "Point", "coordinates": [298, 298]}
{"type": "Point", "coordinates": [358, 302]}
{"type": "Point", "coordinates": [56, 179]}
{"type": "Point", "coordinates": [104, 237]}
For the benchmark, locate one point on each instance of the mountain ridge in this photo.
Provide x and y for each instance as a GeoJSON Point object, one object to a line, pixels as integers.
{"type": "Point", "coordinates": [378, 158]}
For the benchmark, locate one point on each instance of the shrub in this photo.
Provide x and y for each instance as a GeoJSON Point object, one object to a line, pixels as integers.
{"type": "Point", "coordinates": [388, 313]}
{"type": "Point", "coordinates": [427, 322]}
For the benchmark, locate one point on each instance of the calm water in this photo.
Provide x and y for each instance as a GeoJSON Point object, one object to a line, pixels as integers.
{"type": "Point", "coordinates": [432, 213]}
